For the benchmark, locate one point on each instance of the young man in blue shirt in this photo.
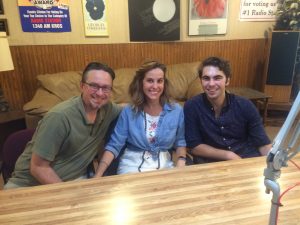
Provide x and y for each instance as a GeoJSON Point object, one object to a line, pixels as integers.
{"type": "Point", "coordinates": [219, 125]}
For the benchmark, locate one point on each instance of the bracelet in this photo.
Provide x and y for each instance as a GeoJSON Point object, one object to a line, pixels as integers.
{"type": "Point", "coordinates": [182, 158]}
{"type": "Point", "coordinates": [104, 163]}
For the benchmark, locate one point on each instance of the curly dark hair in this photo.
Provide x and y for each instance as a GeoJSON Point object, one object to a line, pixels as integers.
{"type": "Point", "coordinates": [136, 86]}
{"type": "Point", "coordinates": [220, 63]}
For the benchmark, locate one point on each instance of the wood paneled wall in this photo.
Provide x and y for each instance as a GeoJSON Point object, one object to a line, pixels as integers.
{"type": "Point", "coordinates": [247, 59]}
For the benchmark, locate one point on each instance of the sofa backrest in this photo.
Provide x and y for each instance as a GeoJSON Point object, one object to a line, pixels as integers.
{"type": "Point", "coordinates": [183, 80]}
{"type": "Point", "coordinates": [64, 85]}
{"type": "Point", "coordinates": [54, 88]}
{"type": "Point", "coordinates": [121, 83]}
{"type": "Point", "coordinates": [181, 77]}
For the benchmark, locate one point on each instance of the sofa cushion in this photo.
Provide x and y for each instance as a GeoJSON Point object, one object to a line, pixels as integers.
{"type": "Point", "coordinates": [121, 83]}
{"type": "Point", "coordinates": [194, 89]}
{"type": "Point", "coordinates": [180, 77]}
{"type": "Point", "coordinates": [64, 85]}
{"type": "Point", "coordinates": [41, 102]}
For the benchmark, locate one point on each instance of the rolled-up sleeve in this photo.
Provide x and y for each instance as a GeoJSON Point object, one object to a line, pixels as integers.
{"type": "Point", "coordinates": [120, 134]}
{"type": "Point", "coordinates": [180, 137]}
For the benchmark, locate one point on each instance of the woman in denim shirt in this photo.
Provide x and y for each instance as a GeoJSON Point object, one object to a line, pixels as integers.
{"type": "Point", "coordinates": [149, 127]}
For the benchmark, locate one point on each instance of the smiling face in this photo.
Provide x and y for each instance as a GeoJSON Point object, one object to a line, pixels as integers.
{"type": "Point", "coordinates": [214, 83]}
{"type": "Point", "coordinates": [153, 84]}
{"type": "Point", "coordinates": [96, 89]}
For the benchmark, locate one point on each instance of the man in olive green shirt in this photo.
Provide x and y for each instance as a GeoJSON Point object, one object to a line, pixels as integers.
{"type": "Point", "coordinates": [70, 135]}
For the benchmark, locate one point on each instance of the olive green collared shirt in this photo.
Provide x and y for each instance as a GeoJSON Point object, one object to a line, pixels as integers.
{"type": "Point", "coordinates": [67, 139]}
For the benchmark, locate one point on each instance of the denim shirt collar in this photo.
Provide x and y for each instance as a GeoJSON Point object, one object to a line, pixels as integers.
{"type": "Point", "coordinates": [166, 107]}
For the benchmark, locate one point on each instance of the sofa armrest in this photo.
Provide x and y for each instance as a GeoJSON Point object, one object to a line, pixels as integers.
{"type": "Point", "coordinates": [41, 102]}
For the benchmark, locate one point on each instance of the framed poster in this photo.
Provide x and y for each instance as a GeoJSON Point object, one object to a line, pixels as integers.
{"type": "Point", "coordinates": [154, 20]}
{"type": "Point", "coordinates": [95, 17]}
{"type": "Point", "coordinates": [208, 17]}
{"type": "Point", "coordinates": [4, 26]}
{"type": "Point", "coordinates": [44, 16]}
{"type": "Point", "coordinates": [1, 7]}
{"type": "Point", "coordinates": [253, 10]}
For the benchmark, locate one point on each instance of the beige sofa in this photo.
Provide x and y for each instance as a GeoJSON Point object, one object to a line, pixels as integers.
{"type": "Point", "coordinates": [55, 88]}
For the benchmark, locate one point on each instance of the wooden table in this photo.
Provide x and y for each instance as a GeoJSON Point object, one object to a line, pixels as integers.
{"type": "Point", "coordinates": [253, 95]}
{"type": "Point", "coordinates": [217, 193]}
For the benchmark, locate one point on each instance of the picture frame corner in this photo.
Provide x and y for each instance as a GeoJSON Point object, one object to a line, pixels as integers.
{"type": "Point", "coordinates": [4, 26]}
{"type": "Point", "coordinates": [1, 8]}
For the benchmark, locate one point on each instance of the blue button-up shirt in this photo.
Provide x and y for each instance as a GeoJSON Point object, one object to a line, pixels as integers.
{"type": "Point", "coordinates": [130, 131]}
{"type": "Point", "coordinates": [239, 127]}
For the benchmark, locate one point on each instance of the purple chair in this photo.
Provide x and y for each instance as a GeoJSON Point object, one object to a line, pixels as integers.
{"type": "Point", "coordinates": [13, 147]}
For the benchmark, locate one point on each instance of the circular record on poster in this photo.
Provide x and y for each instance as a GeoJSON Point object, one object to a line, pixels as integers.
{"type": "Point", "coordinates": [154, 20]}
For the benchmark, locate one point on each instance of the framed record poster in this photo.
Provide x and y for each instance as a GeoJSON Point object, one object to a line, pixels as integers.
{"type": "Point", "coordinates": [208, 17]}
{"type": "Point", "coordinates": [95, 21]}
{"type": "Point", "coordinates": [154, 20]}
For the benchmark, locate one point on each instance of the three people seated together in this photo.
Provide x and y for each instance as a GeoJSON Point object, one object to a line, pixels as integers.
{"type": "Point", "coordinates": [214, 126]}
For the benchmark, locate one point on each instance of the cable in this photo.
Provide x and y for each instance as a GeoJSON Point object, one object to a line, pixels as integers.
{"type": "Point", "coordinates": [286, 190]}
{"type": "Point", "coordinates": [295, 164]}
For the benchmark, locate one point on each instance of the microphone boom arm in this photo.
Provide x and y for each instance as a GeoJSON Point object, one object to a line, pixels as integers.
{"type": "Point", "coordinates": [279, 156]}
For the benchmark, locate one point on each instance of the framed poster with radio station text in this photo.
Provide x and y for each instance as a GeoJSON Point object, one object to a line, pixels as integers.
{"type": "Point", "coordinates": [45, 16]}
{"type": "Point", "coordinates": [254, 10]}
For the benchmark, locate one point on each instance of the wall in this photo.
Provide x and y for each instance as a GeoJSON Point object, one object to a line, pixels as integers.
{"type": "Point", "coordinates": [119, 26]}
{"type": "Point", "coordinates": [40, 53]}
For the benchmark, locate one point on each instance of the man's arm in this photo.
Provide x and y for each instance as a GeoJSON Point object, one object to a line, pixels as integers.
{"type": "Point", "coordinates": [256, 130]}
{"type": "Point", "coordinates": [104, 163]}
{"type": "Point", "coordinates": [264, 150]}
{"type": "Point", "coordinates": [42, 171]}
{"type": "Point", "coordinates": [208, 151]}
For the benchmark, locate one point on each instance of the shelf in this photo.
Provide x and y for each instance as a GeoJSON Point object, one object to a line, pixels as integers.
{"type": "Point", "coordinates": [11, 116]}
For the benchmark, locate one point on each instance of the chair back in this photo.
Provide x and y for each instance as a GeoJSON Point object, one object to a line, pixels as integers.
{"type": "Point", "coordinates": [13, 147]}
